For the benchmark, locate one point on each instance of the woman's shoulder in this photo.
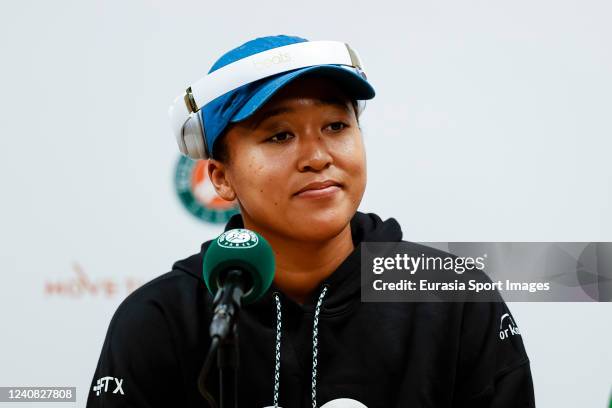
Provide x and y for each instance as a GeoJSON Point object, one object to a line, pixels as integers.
{"type": "Point", "coordinates": [167, 294]}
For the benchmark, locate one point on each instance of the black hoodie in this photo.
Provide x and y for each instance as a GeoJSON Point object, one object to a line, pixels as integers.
{"type": "Point", "coordinates": [403, 355]}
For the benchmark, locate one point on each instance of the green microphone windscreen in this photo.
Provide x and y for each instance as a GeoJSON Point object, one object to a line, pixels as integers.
{"type": "Point", "coordinates": [241, 249]}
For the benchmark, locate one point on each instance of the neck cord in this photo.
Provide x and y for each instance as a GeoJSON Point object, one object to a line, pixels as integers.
{"type": "Point", "coordinates": [315, 348]}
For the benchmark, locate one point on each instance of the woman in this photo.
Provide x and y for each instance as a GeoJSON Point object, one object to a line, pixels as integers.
{"type": "Point", "coordinates": [289, 149]}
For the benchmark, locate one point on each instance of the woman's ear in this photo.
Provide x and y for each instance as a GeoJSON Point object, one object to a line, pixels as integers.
{"type": "Point", "coordinates": [217, 173]}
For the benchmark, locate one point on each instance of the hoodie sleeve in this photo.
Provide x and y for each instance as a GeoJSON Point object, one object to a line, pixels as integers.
{"type": "Point", "coordinates": [493, 368]}
{"type": "Point", "coordinates": [138, 365]}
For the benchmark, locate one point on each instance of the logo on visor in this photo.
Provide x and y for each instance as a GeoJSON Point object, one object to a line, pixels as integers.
{"type": "Point", "coordinates": [197, 193]}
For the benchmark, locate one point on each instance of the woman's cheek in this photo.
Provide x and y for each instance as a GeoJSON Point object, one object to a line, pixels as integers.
{"type": "Point", "coordinates": [353, 157]}
{"type": "Point", "coordinates": [356, 171]}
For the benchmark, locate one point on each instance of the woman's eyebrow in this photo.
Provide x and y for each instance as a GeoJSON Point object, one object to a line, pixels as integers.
{"type": "Point", "coordinates": [321, 101]}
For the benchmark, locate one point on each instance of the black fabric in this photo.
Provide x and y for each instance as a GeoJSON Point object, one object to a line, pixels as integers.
{"type": "Point", "coordinates": [400, 355]}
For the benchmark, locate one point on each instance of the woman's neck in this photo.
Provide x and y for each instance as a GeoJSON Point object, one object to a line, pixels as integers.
{"type": "Point", "coordinates": [301, 266]}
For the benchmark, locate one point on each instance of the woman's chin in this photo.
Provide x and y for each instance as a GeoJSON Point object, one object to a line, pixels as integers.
{"type": "Point", "coordinates": [319, 226]}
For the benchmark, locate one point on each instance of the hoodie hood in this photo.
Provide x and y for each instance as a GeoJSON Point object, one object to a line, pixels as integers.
{"type": "Point", "coordinates": [344, 283]}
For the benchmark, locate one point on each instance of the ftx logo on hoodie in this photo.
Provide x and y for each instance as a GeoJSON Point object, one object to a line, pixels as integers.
{"type": "Point", "coordinates": [102, 385]}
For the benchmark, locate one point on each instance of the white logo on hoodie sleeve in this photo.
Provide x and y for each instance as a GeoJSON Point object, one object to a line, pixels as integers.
{"type": "Point", "coordinates": [507, 327]}
{"type": "Point", "coordinates": [103, 383]}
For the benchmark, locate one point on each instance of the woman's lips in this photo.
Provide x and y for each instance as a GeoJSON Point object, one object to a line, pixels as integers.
{"type": "Point", "coordinates": [320, 192]}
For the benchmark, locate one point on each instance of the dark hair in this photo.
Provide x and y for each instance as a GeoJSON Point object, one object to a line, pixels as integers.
{"type": "Point", "coordinates": [220, 149]}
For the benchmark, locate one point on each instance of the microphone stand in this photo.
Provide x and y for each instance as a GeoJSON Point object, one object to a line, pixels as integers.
{"type": "Point", "coordinates": [227, 303]}
{"type": "Point", "coordinates": [227, 361]}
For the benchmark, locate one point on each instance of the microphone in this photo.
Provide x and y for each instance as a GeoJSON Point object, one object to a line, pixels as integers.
{"type": "Point", "coordinates": [238, 268]}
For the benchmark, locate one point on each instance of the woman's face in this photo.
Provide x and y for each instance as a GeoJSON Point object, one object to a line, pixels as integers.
{"type": "Point", "coordinates": [297, 166]}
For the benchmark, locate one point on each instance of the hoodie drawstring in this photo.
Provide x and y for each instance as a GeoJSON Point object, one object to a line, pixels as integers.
{"type": "Point", "coordinates": [315, 347]}
{"type": "Point", "coordinates": [277, 353]}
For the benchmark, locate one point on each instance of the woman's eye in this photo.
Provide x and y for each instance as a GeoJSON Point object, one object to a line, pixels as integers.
{"type": "Point", "coordinates": [337, 126]}
{"type": "Point", "coordinates": [280, 137]}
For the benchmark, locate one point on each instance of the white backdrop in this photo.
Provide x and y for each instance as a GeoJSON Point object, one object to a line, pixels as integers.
{"type": "Point", "coordinates": [491, 123]}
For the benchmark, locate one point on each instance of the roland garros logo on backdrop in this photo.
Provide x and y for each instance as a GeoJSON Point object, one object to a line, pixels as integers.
{"type": "Point", "coordinates": [198, 195]}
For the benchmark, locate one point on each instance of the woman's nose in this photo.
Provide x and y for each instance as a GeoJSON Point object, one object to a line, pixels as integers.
{"type": "Point", "coordinates": [314, 154]}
